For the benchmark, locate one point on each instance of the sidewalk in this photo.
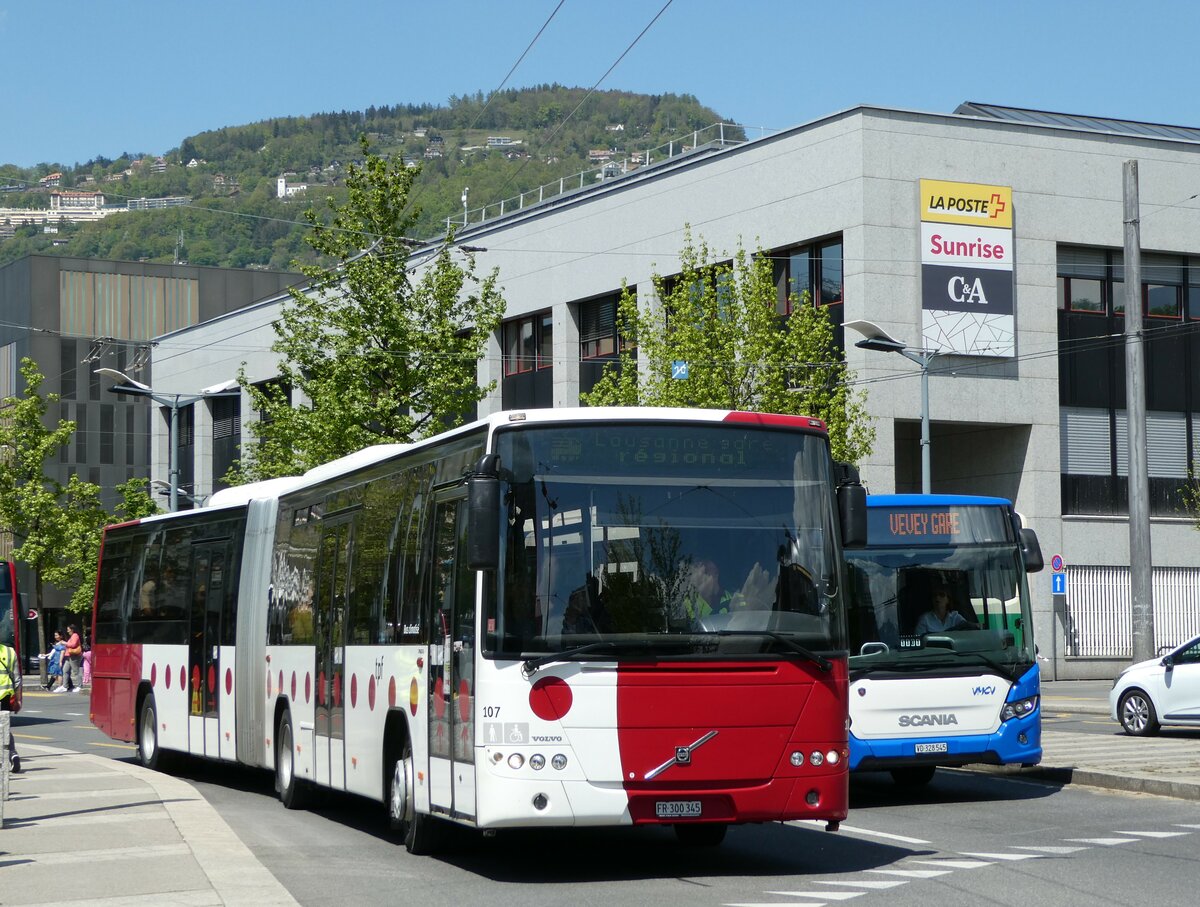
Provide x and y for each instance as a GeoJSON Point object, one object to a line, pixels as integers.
{"type": "Point", "coordinates": [142, 837]}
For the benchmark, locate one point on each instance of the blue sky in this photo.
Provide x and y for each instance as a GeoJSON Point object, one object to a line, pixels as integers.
{"type": "Point", "coordinates": [86, 79]}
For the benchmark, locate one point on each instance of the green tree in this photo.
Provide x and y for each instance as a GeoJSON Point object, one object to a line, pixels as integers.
{"type": "Point", "coordinates": [38, 512]}
{"type": "Point", "coordinates": [722, 319]}
{"type": "Point", "coordinates": [377, 355]}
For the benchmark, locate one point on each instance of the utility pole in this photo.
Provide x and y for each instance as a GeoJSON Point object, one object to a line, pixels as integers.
{"type": "Point", "coordinates": [1140, 564]}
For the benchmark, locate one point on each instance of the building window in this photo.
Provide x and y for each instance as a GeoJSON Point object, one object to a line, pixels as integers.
{"type": "Point", "coordinates": [600, 339]}
{"type": "Point", "coordinates": [1092, 385]}
{"type": "Point", "coordinates": [815, 268]}
{"type": "Point", "coordinates": [106, 433]}
{"type": "Point", "coordinates": [528, 344]}
{"type": "Point", "coordinates": [227, 436]}
{"type": "Point", "coordinates": [70, 368]}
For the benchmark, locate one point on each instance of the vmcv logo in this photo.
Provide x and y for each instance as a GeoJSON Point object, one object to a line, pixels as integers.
{"type": "Point", "coordinates": [984, 691]}
{"type": "Point", "coordinates": [927, 719]}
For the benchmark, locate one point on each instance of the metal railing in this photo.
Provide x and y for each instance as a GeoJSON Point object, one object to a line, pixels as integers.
{"type": "Point", "coordinates": [710, 138]}
{"type": "Point", "coordinates": [1098, 621]}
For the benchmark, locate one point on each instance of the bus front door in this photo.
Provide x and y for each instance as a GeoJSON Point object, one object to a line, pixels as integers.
{"type": "Point", "coordinates": [329, 607]}
{"type": "Point", "coordinates": [206, 594]}
{"type": "Point", "coordinates": [452, 665]}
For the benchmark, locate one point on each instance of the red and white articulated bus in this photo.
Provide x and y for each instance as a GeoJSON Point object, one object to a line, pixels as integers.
{"type": "Point", "coordinates": [512, 624]}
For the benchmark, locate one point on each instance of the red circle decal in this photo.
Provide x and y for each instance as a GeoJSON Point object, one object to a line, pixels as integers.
{"type": "Point", "coordinates": [439, 698]}
{"type": "Point", "coordinates": [153, 675]}
{"type": "Point", "coordinates": [167, 675]}
{"type": "Point", "coordinates": [550, 698]}
{"type": "Point", "coordinates": [371, 693]}
{"type": "Point", "coordinates": [307, 686]}
{"type": "Point", "coordinates": [228, 681]}
{"type": "Point", "coordinates": [182, 677]}
{"type": "Point", "coordinates": [293, 684]}
{"type": "Point", "coordinates": [270, 684]}
{"type": "Point", "coordinates": [337, 690]}
{"type": "Point", "coordinates": [353, 690]}
{"type": "Point", "coordinates": [212, 678]}
{"type": "Point", "coordinates": [320, 688]}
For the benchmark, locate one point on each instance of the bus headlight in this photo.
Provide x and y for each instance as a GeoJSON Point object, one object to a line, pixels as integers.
{"type": "Point", "coordinates": [1018, 709]}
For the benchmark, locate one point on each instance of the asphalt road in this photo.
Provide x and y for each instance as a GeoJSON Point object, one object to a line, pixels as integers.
{"type": "Point", "coordinates": [969, 838]}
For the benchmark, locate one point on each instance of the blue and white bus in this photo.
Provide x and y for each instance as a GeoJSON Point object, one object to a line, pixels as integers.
{"type": "Point", "coordinates": [953, 683]}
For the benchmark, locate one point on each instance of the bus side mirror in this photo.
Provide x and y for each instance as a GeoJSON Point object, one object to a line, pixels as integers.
{"type": "Point", "coordinates": [483, 514]}
{"type": "Point", "coordinates": [1031, 551]}
{"type": "Point", "coordinates": [852, 506]}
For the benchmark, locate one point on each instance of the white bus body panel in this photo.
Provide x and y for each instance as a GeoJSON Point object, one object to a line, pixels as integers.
{"type": "Point", "coordinates": [927, 706]}
{"type": "Point", "coordinates": [165, 669]}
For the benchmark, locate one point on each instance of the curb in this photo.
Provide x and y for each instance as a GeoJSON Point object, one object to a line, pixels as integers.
{"type": "Point", "coordinates": [1130, 783]}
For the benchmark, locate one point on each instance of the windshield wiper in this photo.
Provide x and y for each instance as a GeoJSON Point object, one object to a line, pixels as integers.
{"type": "Point", "coordinates": [819, 660]}
{"type": "Point", "coordinates": [531, 665]}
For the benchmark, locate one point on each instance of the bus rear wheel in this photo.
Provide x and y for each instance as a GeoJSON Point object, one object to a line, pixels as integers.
{"type": "Point", "coordinates": [422, 834]}
{"type": "Point", "coordinates": [708, 834]}
{"type": "Point", "coordinates": [293, 793]}
{"type": "Point", "coordinates": [914, 775]}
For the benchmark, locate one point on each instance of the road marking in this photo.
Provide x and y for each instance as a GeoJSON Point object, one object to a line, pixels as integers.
{"type": "Point", "coordinates": [1047, 849]}
{"type": "Point", "coordinates": [855, 830]}
{"type": "Point", "coordinates": [913, 873]}
{"type": "Point", "coordinates": [1155, 834]}
{"type": "Point", "coordinates": [833, 895]}
{"type": "Point", "coordinates": [1185, 825]}
{"type": "Point", "coordinates": [953, 864]}
{"type": "Point", "coordinates": [31, 736]}
{"type": "Point", "coordinates": [1103, 842]}
{"type": "Point", "coordinates": [865, 883]}
{"type": "Point", "coordinates": [1001, 856]}
{"type": "Point", "coordinates": [120, 746]}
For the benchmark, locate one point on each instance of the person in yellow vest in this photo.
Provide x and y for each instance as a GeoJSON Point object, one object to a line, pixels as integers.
{"type": "Point", "coordinates": [10, 695]}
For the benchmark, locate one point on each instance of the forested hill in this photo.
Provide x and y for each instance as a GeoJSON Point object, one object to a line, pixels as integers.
{"type": "Point", "coordinates": [499, 147]}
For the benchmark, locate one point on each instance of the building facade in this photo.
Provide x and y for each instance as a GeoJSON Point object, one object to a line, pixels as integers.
{"type": "Point", "coordinates": [73, 316]}
{"type": "Point", "coordinates": [884, 216]}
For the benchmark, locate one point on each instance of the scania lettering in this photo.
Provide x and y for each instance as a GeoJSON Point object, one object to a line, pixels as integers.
{"type": "Point", "coordinates": [959, 690]}
{"type": "Point", "coordinates": [503, 626]}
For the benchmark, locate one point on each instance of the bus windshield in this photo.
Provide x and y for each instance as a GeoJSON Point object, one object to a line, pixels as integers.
{"type": "Point", "coordinates": [895, 623]}
{"type": "Point", "coordinates": [640, 540]}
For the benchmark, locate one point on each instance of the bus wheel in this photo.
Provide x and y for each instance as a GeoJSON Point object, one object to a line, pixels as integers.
{"type": "Point", "coordinates": [423, 834]}
{"type": "Point", "coordinates": [148, 752]}
{"type": "Point", "coordinates": [914, 775]}
{"type": "Point", "coordinates": [293, 793]}
{"type": "Point", "coordinates": [709, 834]}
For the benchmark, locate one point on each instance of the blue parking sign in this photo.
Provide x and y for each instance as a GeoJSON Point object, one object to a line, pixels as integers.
{"type": "Point", "coordinates": [1058, 583]}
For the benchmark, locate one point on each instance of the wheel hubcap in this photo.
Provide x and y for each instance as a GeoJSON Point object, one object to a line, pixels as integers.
{"type": "Point", "coordinates": [285, 757]}
{"type": "Point", "coordinates": [1136, 713]}
{"type": "Point", "coordinates": [399, 791]}
{"type": "Point", "coordinates": [148, 740]}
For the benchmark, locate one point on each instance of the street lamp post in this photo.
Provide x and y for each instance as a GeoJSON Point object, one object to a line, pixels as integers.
{"type": "Point", "coordinates": [127, 385]}
{"type": "Point", "coordinates": [876, 338]}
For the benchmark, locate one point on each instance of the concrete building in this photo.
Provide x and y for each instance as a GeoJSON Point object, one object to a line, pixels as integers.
{"type": "Point", "coordinates": [73, 316]}
{"type": "Point", "coordinates": [991, 236]}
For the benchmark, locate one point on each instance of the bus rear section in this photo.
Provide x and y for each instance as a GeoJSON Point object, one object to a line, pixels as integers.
{"type": "Point", "coordinates": [10, 617]}
{"type": "Point", "coordinates": [943, 667]}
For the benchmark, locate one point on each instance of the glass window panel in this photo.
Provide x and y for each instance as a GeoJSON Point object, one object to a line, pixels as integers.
{"type": "Point", "coordinates": [1162, 301]}
{"type": "Point", "coordinates": [1162, 269]}
{"type": "Point", "coordinates": [1193, 295]}
{"type": "Point", "coordinates": [546, 342]}
{"type": "Point", "coordinates": [1062, 293]}
{"type": "Point", "coordinates": [799, 277]}
{"type": "Point", "coordinates": [1086, 295]}
{"type": "Point", "coordinates": [1118, 297]}
{"type": "Point", "coordinates": [831, 274]}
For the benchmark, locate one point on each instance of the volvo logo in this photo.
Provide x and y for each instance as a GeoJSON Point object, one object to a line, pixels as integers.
{"type": "Point", "coordinates": [683, 756]}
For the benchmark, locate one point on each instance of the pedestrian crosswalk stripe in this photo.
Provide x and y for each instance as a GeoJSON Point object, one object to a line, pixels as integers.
{"type": "Point", "coordinates": [1001, 856]}
{"type": "Point", "coordinates": [832, 895]}
{"type": "Point", "coordinates": [953, 864]}
{"type": "Point", "coordinates": [913, 873]}
{"type": "Point", "coordinates": [877, 884]}
{"type": "Point", "coordinates": [1156, 834]}
{"type": "Point", "coordinates": [1185, 825]}
{"type": "Point", "coordinates": [1050, 849]}
{"type": "Point", "coordinates": [1103, 842]}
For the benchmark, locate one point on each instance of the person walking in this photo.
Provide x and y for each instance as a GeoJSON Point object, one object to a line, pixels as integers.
{"type": "Point", "coordinates": [10, 696]}
{"type": "Point", "coordinates": [72, 662]}
{"type": "Point", "coordinates": [54, 661]}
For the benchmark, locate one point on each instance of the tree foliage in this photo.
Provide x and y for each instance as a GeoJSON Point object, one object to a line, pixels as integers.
{"type": "Point", "coordinates": [376, 354]}
{"type": "Point", "coordinates": [722, 320]}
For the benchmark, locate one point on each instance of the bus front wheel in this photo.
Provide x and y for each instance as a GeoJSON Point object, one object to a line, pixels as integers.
{"type": "Point", "coordinates": [148, 752]}
{"type": "Point", "coordinates": [293, 792]}
{"type": "Point", "coordinates": [422, 833]}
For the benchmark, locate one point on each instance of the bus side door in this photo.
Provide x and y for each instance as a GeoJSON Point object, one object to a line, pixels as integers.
{"type": "Point", "coordinates": [329, 612]}
{"type": "Point", "coordinates": [207, 592]}
{"type": "Point", "coordinates": [451, 663]}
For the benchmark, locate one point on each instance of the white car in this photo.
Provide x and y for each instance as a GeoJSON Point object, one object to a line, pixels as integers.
{"type": "Point", "coordinates": [1163, 690]}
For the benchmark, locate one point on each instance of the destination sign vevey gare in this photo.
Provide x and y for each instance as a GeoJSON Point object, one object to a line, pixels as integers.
{"type": "Point", "coordinates": [967, 268]}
